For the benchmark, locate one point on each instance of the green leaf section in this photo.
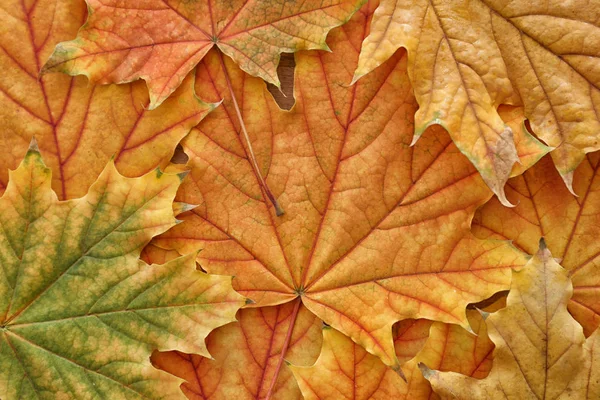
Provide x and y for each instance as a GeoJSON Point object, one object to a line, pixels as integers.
{"type": "Point", "coordinates": [80, 314]}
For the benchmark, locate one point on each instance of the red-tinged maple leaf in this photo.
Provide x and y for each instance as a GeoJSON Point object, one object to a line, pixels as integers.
{"type": "Point", "coordinates": [375, 230]}
{"type": "Point", "coordinates": [468, 57]}
{"type": "Point", "coordinates": [541, 351]}
{"type": "Point", "coordinates": [162, 41]}
{"type": "Point", "coordinates": [344, 370]}
{"type": "Point", "coordinates": [569, 224]}
{"type": "Point", "coordinates": [79, 127]}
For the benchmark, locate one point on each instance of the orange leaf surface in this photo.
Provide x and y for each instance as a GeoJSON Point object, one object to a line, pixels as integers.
{"type": "Point", "coordinates": [78, 127]}
{"type": "Point", "coordinates": [375, 231]}
{"type": "Point", "coordinates": [410, 335]}
{"type": "Point", "coordinates": [541, 351]}
{"type": "Point", "coordinates": [344, 370]}
{"type": "Point", "coordinates": [162, 41]}
{"type": "Point", "coordinates": [570, 226]}
{"type": "Point", "coordinates": [246, 354]}
{"type": "Point", "coordinates": [468, 57]}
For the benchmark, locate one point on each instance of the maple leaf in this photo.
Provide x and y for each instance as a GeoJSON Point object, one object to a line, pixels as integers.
{"type": "Point", "coordinates": [344, 370]}
{"type": "Point", "coordinates": [569, 225]}
{"type": "Point", "coordinates": [468, 57]}
{"type": "Point", "coordinates": [162, 41]}
{"type": "Point", "coordinates": [79, 313]}
{"type": "Point", "coordinates": [375, 230]}
{"type": "Point", "coordinates": [541, 351]}
{"type": "Point", "coordinates": [79, 127]}
{"type": "Point", "coordinates": [246, 356]}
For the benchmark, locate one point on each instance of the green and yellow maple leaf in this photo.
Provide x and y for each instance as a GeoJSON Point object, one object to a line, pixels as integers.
{"type": "Point", "coordinates": [468, 57]}
{"type": "Point", "coordinates": [569, 224]}
{"type": "Point", "coordinates": [162, 41]}
{"type": "Point", "coordinates": [541, 351]}
{"type": "Point", "coordinates": [78, 126]}
{"type": "Point", "coordinates": [79, 313]}
{"type": "Point", "coordinates": [375, 231]}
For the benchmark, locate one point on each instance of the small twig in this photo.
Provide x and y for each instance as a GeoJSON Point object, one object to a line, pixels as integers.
{"type": "Point", "coordinates": [278, 209]}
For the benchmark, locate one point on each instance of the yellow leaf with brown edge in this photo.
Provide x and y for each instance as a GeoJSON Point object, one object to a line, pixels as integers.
{"type": "Point", "coordinates": [570, 225]}
{"type": "Point", "coordinates": [78, 127]}
{"type": "Point", "coordinates": [541, 351]}
{"type": "Point", "coordinates": [468, 57]}
{"type": "Point", "coordinates": [80, 314]}
{"type": "Point", "coordinates": [344, 370]}
{"type": "Point", "coordinates": [162, 41]}
{"type": "Point", "coordinates": [375, 231]}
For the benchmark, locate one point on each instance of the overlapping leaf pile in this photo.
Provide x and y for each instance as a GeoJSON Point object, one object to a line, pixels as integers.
{"type": "Point", "coordinates": [364, 287]}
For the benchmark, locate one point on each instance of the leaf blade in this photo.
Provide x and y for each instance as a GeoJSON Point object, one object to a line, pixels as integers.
{"type": "Point", "coordinates": [81, 302]}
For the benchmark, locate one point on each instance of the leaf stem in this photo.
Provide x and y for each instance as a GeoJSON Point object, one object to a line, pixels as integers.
{"type": "Point", "coordinates": [286, 344]}
{"type": "Point", "coordinates": [278, 210]}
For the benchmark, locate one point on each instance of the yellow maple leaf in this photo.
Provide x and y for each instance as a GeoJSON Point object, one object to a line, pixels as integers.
{"type": "Point", "coordinates": [541, 351]}
{"type": "Point", "coordinates": [468, 57]}
{"type": "Point", "coordinates": [569, 224]}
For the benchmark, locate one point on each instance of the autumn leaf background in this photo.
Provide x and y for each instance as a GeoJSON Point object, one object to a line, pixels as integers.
{"type": "Point", "coordinates": [363, 223]}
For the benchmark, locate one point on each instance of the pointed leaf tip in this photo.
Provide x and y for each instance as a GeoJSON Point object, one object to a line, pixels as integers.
{"type": "Point", "coordinates": [426, 371]}
{"type": "Point", "coordinates": [502, 198]}
{"type": "Point", "coordinates": [396, 368]}
{"type": "Point", "coordinates": [355, 79]}
{"type": "Point", "coordinates": [484, 314]}
{"type": "Point", "coordinates": [415, 139]}
{"type": "Point", "coordinates": [181, 207]}
{"type": "Point", "coordinates": [182, 175]}
{"type": "Point", "coordinates": [33, 145]}
{"type": "Point", "coordinates": [568, 180]}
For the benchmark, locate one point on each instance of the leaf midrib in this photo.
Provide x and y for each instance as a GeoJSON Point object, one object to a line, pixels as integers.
{"type": "Point", "coordinates": [84, 254]}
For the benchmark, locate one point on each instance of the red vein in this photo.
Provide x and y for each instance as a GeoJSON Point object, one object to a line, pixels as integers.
{"type": "Point", "coordinates": [285, 346]}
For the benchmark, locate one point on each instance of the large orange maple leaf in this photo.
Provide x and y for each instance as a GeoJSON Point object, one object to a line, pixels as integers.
{"type": "Point", "coordinates": [375, 230]}
{"type": "Point", "coordinates": [162, 41]}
